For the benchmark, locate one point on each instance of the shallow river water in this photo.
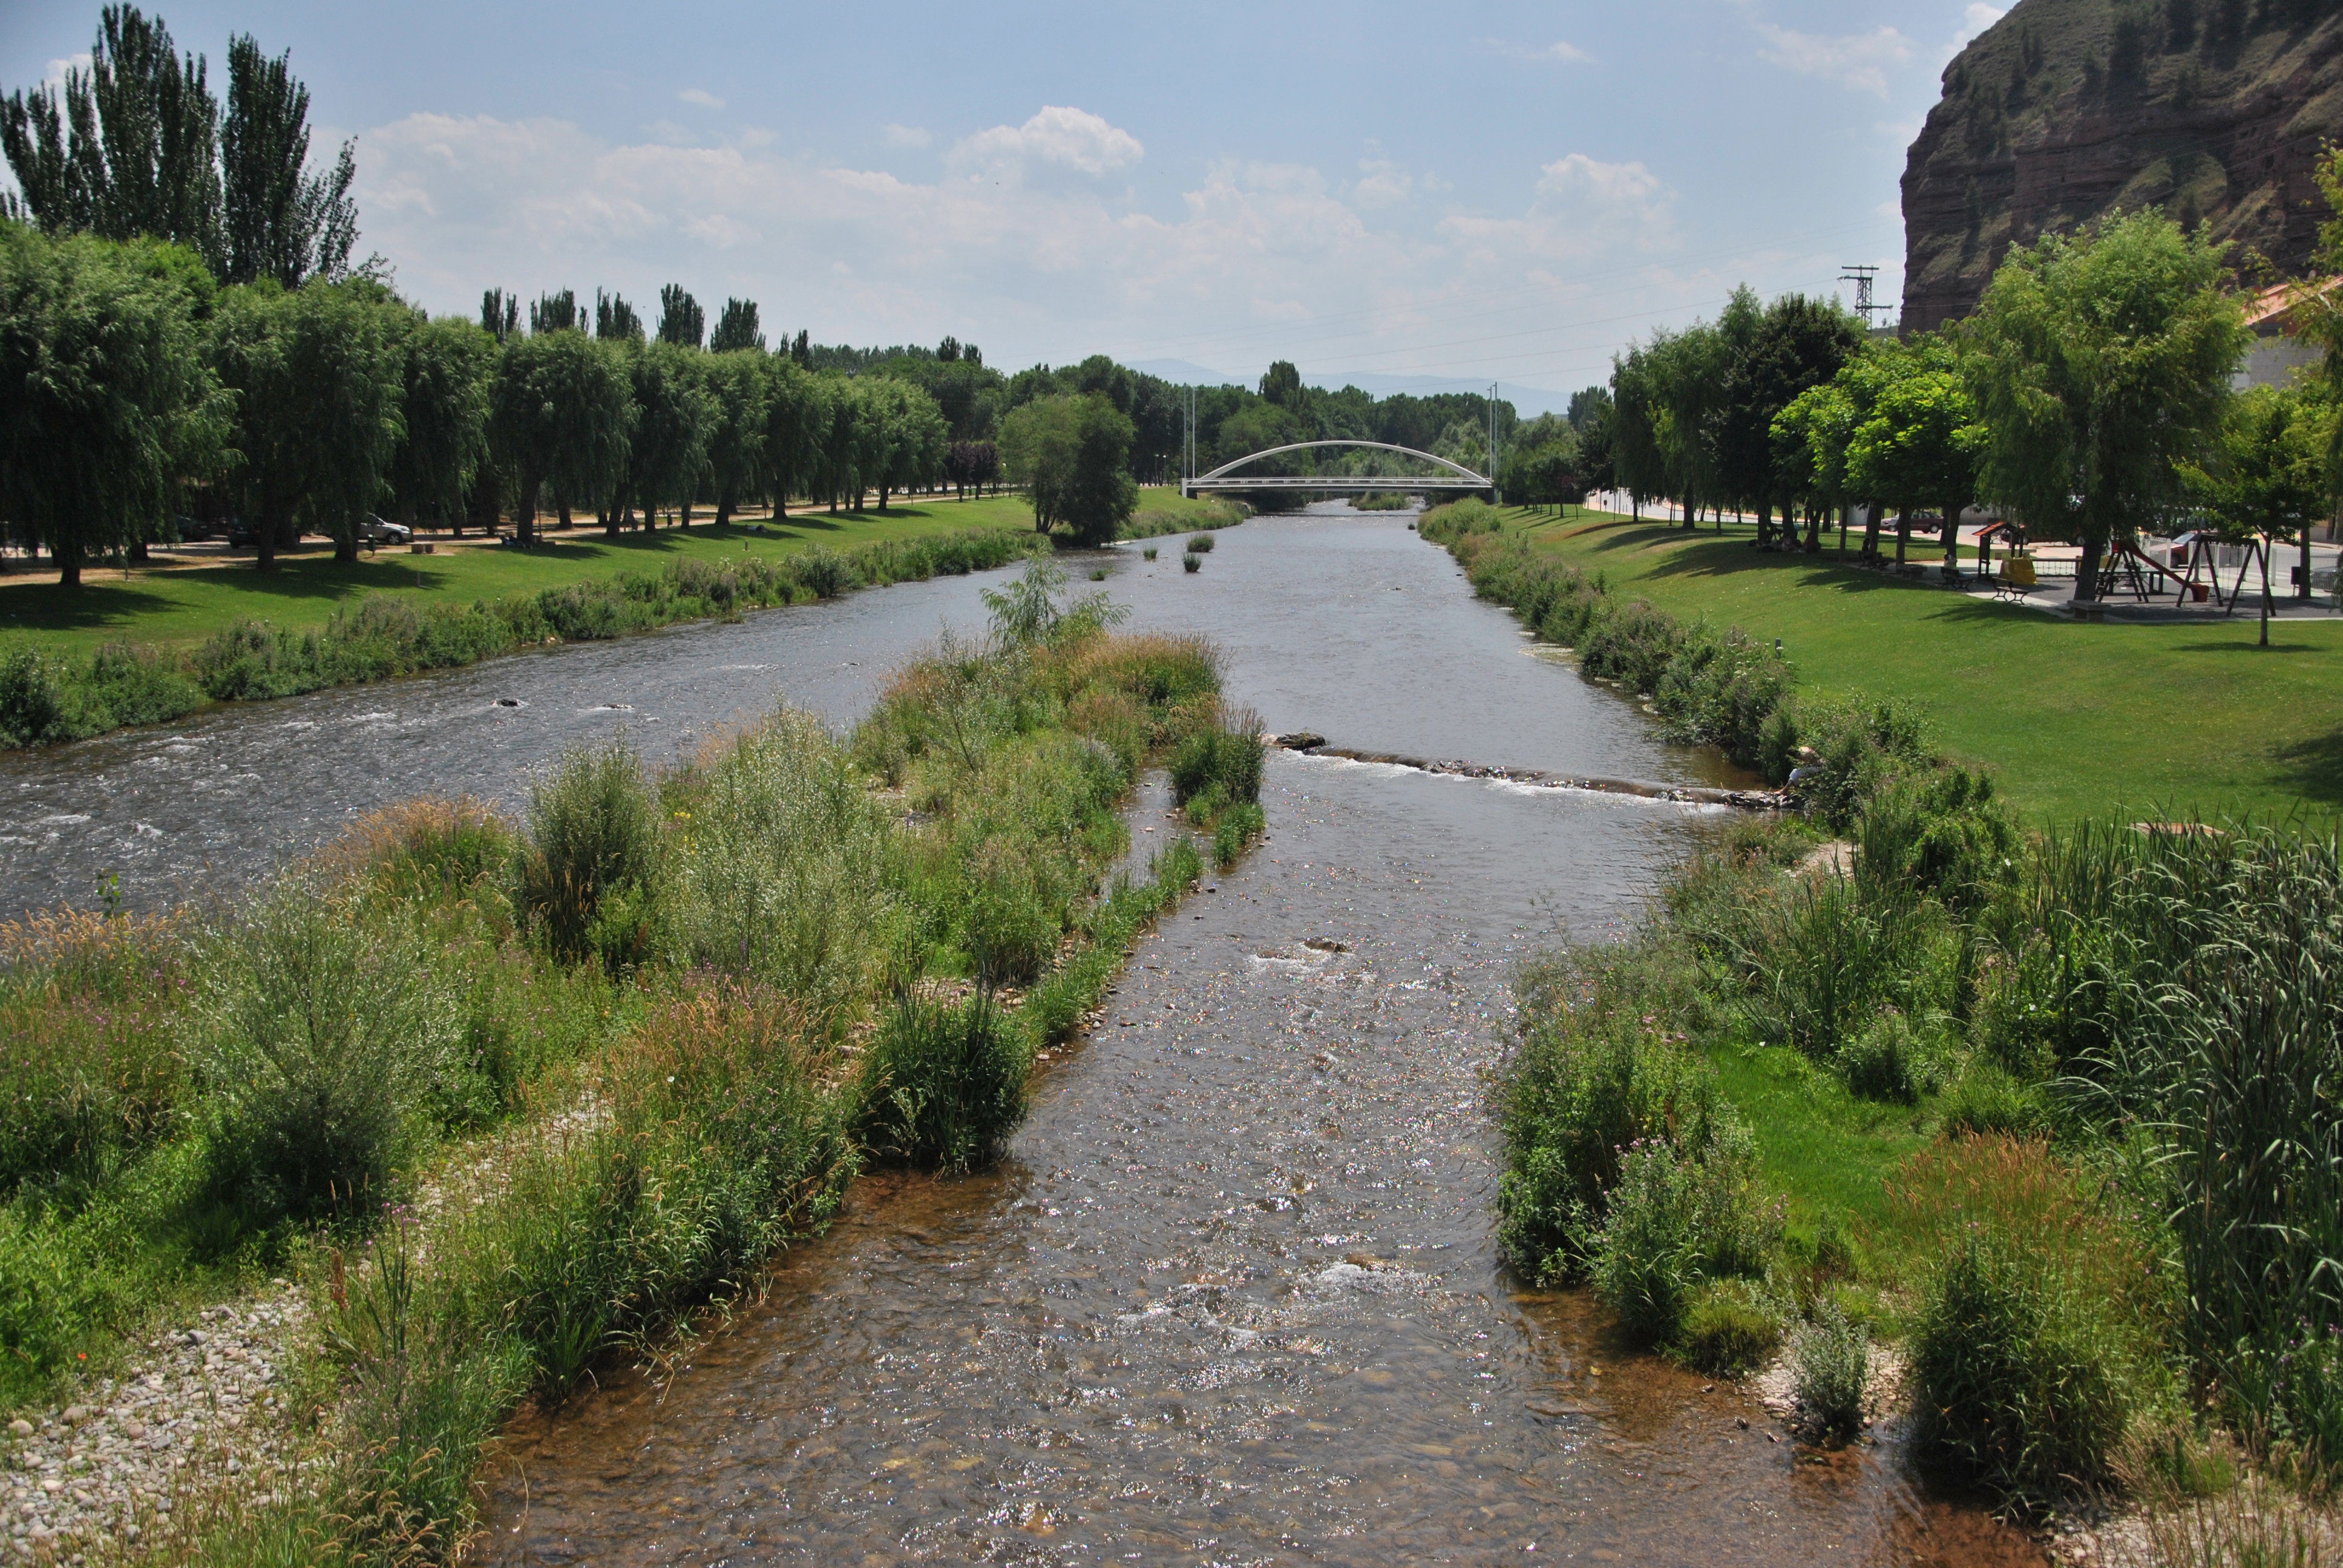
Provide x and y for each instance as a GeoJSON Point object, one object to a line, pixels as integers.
{"type": "Point", "coordinates": [1233, 1297]}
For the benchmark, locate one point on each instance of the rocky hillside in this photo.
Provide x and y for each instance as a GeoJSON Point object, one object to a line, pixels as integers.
{"type": "Point", "coordinates": [2067, 109]}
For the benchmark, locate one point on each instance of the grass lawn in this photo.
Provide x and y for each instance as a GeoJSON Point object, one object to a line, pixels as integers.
{"type": "Point", "coordinates": [2170, 720]}
{"type": "Point", "coordinates": [183, 606]}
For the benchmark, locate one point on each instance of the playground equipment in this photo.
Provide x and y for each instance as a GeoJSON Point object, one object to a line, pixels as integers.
{"type": "Point", "coordinates": [2197, 552]}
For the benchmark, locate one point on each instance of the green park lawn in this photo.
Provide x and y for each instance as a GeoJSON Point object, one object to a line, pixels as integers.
{"type": "Point", "coordinates": [2163, 719]}
{"type": "Point", "coordinates": [184, 606]}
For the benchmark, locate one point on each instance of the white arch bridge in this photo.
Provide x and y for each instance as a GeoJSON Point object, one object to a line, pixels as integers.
{"type": "Point", "coordinates": [1457, 478]}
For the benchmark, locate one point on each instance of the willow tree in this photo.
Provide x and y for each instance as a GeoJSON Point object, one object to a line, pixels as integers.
{"type": "Point", "coordinates": [674, 413]}
{"type": "Point", "coordinates": [911, 435]}
{"type": "Point", "coordinates": [2101, 364]}
{"type": "Point", "coordinates": [742, 392]}
{"type": "Point", "coordinates": [1073, 454]}
{"type": "Point", "coordinates": [451, 367]}
{"type": "Point", "coordinates": [105, 397]}
{"type": "Point", "coordinates": [319, 375]}
{"type": "Point", "coordinates": [561, 414]}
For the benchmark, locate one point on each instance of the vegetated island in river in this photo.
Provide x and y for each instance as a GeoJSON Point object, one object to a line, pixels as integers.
{"type": "Point", "coordinates": [2040, 1130]}
{"type": "Point", "coordinates": [496, 1103]}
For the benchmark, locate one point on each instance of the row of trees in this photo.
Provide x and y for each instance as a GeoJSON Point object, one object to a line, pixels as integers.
{"type": "Point", "coordinates": [128, 374]}
{"type": "Point", "coordinates": [2087, 399]}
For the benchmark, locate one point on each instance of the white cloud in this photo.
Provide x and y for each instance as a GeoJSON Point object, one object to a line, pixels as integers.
{"type": "Point", "coordinates": [1560, 51]}
{"type": "Point", "coordinates": [702, 96]}
{"type": "Point", "coordinates": [1581, 207]}
{"type": "Point", "coordinates": [904, 136]}
{"type": "Point", "coordinates": [1976, 20]}
{"type": "Point", "coordinates": [1031, 268]}
{"type": "Point", "coordinates": [1382, 183]}
{"type": "Point", "coordinates": [54, 76]}
{"type": "Point", "coordinates": [1062, 137]}
{"type": "Point", "coordinates": [1858, 60]}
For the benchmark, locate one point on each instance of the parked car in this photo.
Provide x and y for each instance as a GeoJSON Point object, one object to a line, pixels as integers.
{"type": "Point", "coordinates": [375, 530]}
{"type": "Point", "coordinates": [242, 534]}
{"type": "Point", "coordinates": [187, 530]}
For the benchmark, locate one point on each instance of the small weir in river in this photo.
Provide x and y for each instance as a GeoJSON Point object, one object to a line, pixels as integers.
{"type": "Point", "coordinates": [1233, 1296]}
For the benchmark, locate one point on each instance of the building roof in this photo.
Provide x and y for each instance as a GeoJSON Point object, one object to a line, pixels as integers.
{"type": "Point", "coordinates": [2268, 309]}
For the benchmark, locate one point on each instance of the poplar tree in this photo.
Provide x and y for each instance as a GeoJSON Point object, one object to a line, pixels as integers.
{"type": "Point", "coordinates": [280, 220]}
{"type": "Point", "coordinates": [615, 318]}
{"type": "Point", "coordinates": [131, 149]}
{"type": "Point", "coordinates": [736, 328]}
{"type": "Point", "coordinates": [557, 313]}
{"type": "Point", "coordinates": [500, 314]}
{"type": "Point", "coordinates": [681, 321]}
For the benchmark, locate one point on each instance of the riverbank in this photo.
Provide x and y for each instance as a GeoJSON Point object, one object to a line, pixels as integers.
{"type": "Point", "coordinates": [161, 644]}
{"type": "Point", "coordinates": [2006, 1100]}
{"type": "Point", "coordinates": [569, 1080]}
{"type": "Point", "coordinates": [2076, 720]}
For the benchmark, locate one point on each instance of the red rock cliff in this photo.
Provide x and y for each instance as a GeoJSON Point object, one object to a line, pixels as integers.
{"type": "Point", "coordinates": [2214, 110]}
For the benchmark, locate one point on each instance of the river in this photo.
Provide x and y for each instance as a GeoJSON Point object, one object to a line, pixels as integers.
{"type": "Point", "coordinates": [1233, 1297]}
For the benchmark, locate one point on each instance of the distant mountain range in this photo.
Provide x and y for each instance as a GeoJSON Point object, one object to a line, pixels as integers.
{"type": "Point", "coordinates": [1527, 401]}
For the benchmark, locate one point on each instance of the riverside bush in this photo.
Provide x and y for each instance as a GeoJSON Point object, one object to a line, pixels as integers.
{"type": "Point", "coordinates": [1581, 1088]}
{"type": "Point", "coordinates": [2194, 985]}
{"type": "Point", "coordinates": [1832, 1358]}
{"type": "Point", "coordinates": [91, 1070]}
{"type": "Point", "coordinates": [1221, 761]}
{"type": "Point", "coordinates": [1153, 522]}
{"type": "Point", "coordinates": [942, 1087]}
{"type": "Point", "coordinates": [1888, 1061]}
{"type": "Point", "coordinates": [2017, 1389]}
{"type": "Point", "coordinates": [1191, 562]}
{"type": "Point", "coordinates": [1677, 1215]}
{"type": "Point", "coordinates": [584, 878]}
{"type": "Point", "coordinates": [1728, 1331]}
{"type": "Point", "coordinates": [774, 868]}
{"type": "Point", "coordinates": [323, 1051]}
{"type": "Point", "coordinates": [45, 699]}
{"type": "Point", "coordinates": [1200, 544]}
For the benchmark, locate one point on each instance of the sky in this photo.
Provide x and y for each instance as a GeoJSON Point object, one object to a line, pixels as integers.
{"type": "Point", "coordinates": [1491, 192]}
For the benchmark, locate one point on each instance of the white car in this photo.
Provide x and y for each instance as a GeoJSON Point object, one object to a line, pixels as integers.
{"type": "Point", "coordinates": [377, 530]}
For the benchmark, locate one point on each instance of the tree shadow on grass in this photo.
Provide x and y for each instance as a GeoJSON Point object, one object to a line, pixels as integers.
{"type": "Point", "coordinates": [2313, 766]}
{"type": "Point", "coordinates": [1730, 556]}
{"type": "Point", "coordinates": [45, 606]}
{"type": "Point", "coordinates": [2246, 644]}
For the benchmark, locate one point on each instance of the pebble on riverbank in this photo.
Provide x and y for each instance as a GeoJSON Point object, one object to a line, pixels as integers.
{"type": "Point", "coordinates": [92, 1476]}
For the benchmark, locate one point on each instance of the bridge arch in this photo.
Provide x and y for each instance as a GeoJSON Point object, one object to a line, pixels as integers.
{"type": "Point", "coordinates": [1458, 478]}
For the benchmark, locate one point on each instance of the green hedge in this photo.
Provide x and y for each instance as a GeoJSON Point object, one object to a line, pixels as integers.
{"type": "Point", "coordinates": [46, 698]}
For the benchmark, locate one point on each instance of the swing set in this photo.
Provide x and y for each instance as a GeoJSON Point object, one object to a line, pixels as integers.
{"type": "Point", "coordinates": [2194, 553]}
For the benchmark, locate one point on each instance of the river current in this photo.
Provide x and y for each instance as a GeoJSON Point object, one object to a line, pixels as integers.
{"type": "Point", "coordinates": [1233, 1297]}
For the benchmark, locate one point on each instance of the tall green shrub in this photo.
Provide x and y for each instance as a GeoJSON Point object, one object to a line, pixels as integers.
{"type": "Point", "coordinates": [585, 876]}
